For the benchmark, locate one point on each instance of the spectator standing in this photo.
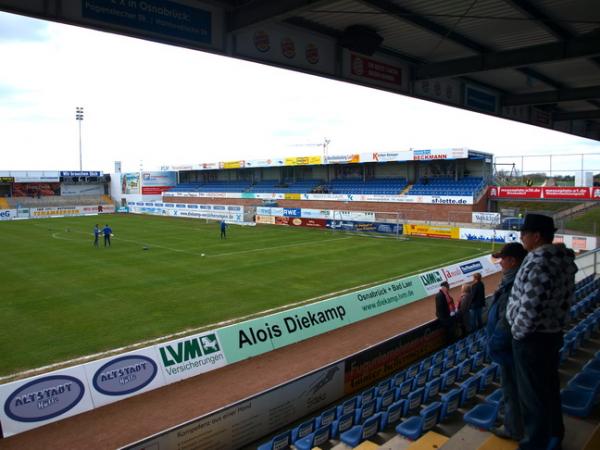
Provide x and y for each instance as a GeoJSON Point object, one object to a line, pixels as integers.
{"type": "Point", "coordinates": [464, 305]}
{"type": "Point", "coordinates": [478, 302]}
{"type": "Point", "coordinates": [445, 310]}
{"type": "Point", "coordinates": [499, 344]}
{"type": "Point", "coordinates": [537, 311]}
{"type": "Point", "coordinates": [107, 232]}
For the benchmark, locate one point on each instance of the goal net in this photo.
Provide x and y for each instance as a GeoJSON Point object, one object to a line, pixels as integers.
{"type": "Point", "coordinates": [369, 223]}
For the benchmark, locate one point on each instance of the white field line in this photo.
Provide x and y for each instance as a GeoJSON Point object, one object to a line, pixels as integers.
{"type": "Point", "coordinates": [83, 359]}
{"type": "Point", "coordinates": [262, 249]}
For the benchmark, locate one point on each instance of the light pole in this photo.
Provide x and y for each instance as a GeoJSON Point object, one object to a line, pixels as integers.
{"type": "Point", "coordinates": [79, 118]}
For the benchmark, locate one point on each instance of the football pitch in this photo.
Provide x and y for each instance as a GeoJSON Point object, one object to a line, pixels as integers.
{"type": "Point", "coordinates": [62, 298]}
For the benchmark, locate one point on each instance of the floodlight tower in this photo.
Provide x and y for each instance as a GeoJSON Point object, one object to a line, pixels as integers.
{"type": "Point", "coordinates": [79, 119]}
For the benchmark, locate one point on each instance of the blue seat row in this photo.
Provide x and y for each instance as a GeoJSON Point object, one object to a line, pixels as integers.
{"type": "Point", "coordinates": [430, 390]}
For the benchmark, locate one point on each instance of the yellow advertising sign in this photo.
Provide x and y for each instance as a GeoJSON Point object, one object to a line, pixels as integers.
{"type": "Point", "coordinates": [302, 161]}
{"type": "Point", "coordinates": [292, 196]}
{"type": "Point", "coordinates": [233, 165]}
{"type": "Point", "coordinates": [445, 232]}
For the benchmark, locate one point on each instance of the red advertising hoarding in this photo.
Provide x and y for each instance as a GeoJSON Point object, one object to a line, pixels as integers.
{"type": "Point", "coordinates": [546, 192]}
{"type": "Point", "coordinates": [298, 222]}
{"type": "Point", "coordinates": [562, 193]}
{"type": "Point", "coordinates": [154, 190]}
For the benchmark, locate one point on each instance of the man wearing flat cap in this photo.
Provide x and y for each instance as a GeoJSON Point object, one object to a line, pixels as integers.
{"type": "Point", "coordinates": [499, 345]}
{"type": "Point", "coordinates": [537, 310]}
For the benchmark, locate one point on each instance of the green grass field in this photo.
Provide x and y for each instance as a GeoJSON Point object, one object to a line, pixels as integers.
{"type": "Point", "coordinates": [589, 222]}
{"type": "Point", "coordinates": [63, 298]}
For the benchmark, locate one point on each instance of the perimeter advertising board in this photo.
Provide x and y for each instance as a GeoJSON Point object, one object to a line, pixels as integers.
{"type": "Point", "coordinates": [486, 218]}
{"type": "Point", "coordinates": [37, 401]}
{"type": "Point", "coordinates": [253, 337]}
{"type": "Point", "coordinates": [8, 214]}
{"type": "Point", "coordinates": [446, 232]}
{"type": "Point", "coordinates": [480, 234]}
{"type": "Point", "coordinates": [249, 420]}
{"type": "Point", "coordinates": [550, 193]}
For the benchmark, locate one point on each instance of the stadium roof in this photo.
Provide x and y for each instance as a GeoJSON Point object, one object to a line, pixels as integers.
{"type": "Point", "coordinates": [534, 61]}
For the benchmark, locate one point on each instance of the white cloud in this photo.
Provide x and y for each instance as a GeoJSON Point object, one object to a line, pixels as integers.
{"type": "Point", "coordinates": [168, 105]}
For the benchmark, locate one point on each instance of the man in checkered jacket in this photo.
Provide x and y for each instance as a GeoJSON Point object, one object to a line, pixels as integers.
{"type": "Point", "coordinates": [537, 310]}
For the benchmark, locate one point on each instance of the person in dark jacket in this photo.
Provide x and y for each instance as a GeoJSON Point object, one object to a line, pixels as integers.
{"type": "Point", "coordinates": [464, 306]}
{"type": "Point", "coordinates": [499, 344]}
{"type": "Point", "coordinates": [537, 311]}
{"type": "Point", "coordinates": [445, 310]}
{"type": "Point", "coordinates": [478, 302]}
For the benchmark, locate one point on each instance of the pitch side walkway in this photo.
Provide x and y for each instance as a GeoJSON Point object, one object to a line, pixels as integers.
{"type": "Point", "coordinates": [132, 419]}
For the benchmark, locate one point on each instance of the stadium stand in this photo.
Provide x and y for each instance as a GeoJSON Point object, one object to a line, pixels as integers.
{"type": "Point", "coordinates": [376, 186]}
{"type": "Point", "coordinates": [28, 202]}
{"type": "Point", "coordinates": [398, 408]}
{"type": "Point", "coordinates": [447, 186]}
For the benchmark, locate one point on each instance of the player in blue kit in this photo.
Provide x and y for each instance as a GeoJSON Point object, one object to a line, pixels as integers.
{"type": "Point", "coordinates": [107, 231]}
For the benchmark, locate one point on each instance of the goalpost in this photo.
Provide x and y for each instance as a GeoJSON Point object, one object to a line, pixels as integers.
{"type": "Point", "coordinates": [370, 224]}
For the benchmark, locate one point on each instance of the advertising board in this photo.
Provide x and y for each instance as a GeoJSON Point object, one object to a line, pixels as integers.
{"type": "Point", "coordinates": [154, 183]}
{"type": "Point", "coordinates": [486, 218]}
{"type": "Point", "coordinates": [545, 192]}
{"type": "Point", "coordinates": [130, 183]}
{"type": "Point", "coordinates": [237, 425]}
{"type": "Point", "coordinates": [441, 231]}
{"type": "Point", "coordinates": [67, 190]}
{"type": "Point", "coordinates": [118, 377]}
{"type": "Point", "coordinates": [37, 401]}
{"type": "Point", "coordinates": [480, 234]}
{"type": "Point", "coordinates": [8, 214]}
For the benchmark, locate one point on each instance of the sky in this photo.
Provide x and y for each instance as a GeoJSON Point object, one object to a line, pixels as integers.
{"type": "Point", "coordinates": [150, 105]}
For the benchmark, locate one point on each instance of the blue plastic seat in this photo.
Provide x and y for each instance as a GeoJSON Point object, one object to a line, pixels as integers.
{"type": "Point", "coordinates": [425, 364]}
{"type": "Point", "coordinates": [495, 397]}
{"type": "Point", "coordinates": [450, 402]}
{"type": "Point", "coordinates": [592, 365]}
{"type": "Point", "coordinates": [319, 437]}
{"type": "Point", "coordinates": [448, 379]}
{"type": "Point", "coordinates": [366, 396]}
{"type": "Point", "coordinates": [469, 389]}
{"type": "Point", "coordinates": [587, 381]}
{"type": "Point", "coordinates": [434, 371]}
{"type": "Point", "coordinates": [365, 411]}
{"type": "Point", "coordinates": [283, 440]}
{"type": "Point", "coordinates": [326, 417]}
{"type": "Point", "coordinates": [384, 387]}
{"type": "Point", "coordinates": [403, 390]}
{"type": "Point", "coordinates": [347, 407]}
{"type": "Point", "coordinates": [398, 379]}
{"type": "Point", "coordinates": [482, 416]}
{"type": "Point", "coordinates": [342, 424]}
{"type": "Point", "coordinates": [392, 414]}
{"type": "Point", "coordinates": [303, 430]}
{"type": "Point", "coordinates": [576, 402]}
{"type": "Point", "coordinates": [463, 370]}
{"type": "Point", "coordinates": [413, 402]}
{"type": "Point", "coordinates": [419, 380]}
{"type": "Point", "coordinates": [487, 375]}
{"type": "Point", "coordinates": [432, 388]}
{"type": "Point", "coordinates": [412, 371]}
{"type": "Point", "coordinates": [414, 427]}
{"type": "Point", "coordinates": [384, 401]}
{"type": "Point", "coordinates": [360, 433]}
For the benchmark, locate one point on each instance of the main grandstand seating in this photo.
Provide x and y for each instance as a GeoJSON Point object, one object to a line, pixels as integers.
{"type": "Point", "coordinates": [71, 200]}
{"type": "Point", "coordinates": [447, 186]}
{"type": "Point", "coordinates": [376, 186]}
{"type": "Point", "coordinates": [460, 384]}
{"type": "Point", "coordinates": [469, 186]}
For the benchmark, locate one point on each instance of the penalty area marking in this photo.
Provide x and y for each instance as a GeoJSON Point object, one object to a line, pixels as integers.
{"type": "Point", "coordinates": [190, 331]}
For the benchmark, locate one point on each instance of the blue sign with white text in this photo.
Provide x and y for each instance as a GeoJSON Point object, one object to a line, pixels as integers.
{"type": "Point", "coordinates": [161, 17]}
